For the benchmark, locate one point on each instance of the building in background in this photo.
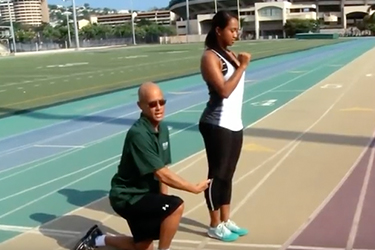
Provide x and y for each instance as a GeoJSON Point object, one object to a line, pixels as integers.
{"type": "Point", "coordinates": [4, 11]}
{"type": "Point", "coordinates": [264, 18]}
{"type": "Point", "coordinates": [162, 17]}
{"type": "Point", "coordinates": [28, 12]}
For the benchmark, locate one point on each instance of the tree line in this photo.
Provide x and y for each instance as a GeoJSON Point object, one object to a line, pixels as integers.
{"type": "Point", "coordinates": [144, 31]}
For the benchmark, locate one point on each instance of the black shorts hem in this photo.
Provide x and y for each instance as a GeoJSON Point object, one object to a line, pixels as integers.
{"type": "Point", "coordinates": [145, 216]}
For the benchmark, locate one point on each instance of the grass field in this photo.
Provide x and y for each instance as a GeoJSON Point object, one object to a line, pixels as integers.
{"type": "Point", "coordinates": [28, 82]}
{"type": "Point", "coordinates": [305, 179]}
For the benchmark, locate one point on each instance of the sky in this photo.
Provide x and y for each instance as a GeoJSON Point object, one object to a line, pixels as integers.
{"type": "Point", "coordinates": [118, 4]}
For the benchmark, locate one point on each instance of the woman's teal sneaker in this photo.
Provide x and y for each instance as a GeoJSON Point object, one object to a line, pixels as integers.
{"type": "Point", "coordinates": [221, 232]}
{"type": "Point", "coordinates": [235, 229]}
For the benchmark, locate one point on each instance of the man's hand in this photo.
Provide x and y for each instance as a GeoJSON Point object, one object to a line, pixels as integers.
{"type": "Point", "coordinates": [200, 187]}
{"type": "Point", "coordinates": [173, 180]}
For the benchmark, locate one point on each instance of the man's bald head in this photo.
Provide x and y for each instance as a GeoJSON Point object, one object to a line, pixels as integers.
{"type": "Point", "coordinates": [151, 101]}
{"type": "Point", "coordinates": [147, 91]}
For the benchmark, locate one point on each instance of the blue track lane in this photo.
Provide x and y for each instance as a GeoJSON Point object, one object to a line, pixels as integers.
{"type": "Point", "coordinates": [27, 147]}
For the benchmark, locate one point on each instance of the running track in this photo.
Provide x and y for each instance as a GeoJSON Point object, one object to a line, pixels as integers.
{"type": "Point", "coordinates": [62, 160]}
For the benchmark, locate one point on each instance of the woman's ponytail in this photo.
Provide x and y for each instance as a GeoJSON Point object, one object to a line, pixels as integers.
{"type": "Point", "coordinates": [220, 20]}
{"type": "Point", "coordinates": [211, 40]}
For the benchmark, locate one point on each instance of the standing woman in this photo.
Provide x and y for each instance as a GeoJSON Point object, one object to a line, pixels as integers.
{"type": "Point", "coordinates": [221, 122]}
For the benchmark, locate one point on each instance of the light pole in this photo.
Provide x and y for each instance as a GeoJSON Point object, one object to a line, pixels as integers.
{"type": "Point", "coordinates": [239, 13]}
{"type": "Point", "coordinates": [187, 21]}
{"type": "Point", "coordinates": [75, 22]}
{"type": "Point", "coordinates": [133, 15]}
{"type": "Point", "coordinates": [11, 27]}
{"type": "Point", "coordinates": [67, 13]}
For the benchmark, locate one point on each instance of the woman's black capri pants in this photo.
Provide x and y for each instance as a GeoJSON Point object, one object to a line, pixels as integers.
{"type": "Point", "coordinates": [223, 149]}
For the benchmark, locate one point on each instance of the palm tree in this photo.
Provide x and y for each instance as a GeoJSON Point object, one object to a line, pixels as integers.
{"type": "Point", "coordinates": [370, 17]}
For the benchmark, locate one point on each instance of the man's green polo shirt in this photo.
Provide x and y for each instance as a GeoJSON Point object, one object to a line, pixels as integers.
{"type": "Point", "coordinates": [145, 150]}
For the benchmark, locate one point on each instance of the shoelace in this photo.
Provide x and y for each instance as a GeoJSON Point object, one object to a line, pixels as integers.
{"type": "Point", "coordinates": [87, 246]}
{"type": "Point", "coordinates": [231, 223]}
{"type": "Point", "coordinates": [223, 229]}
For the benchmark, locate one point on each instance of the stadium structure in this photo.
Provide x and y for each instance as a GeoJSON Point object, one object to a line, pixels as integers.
{"type": "Point", "coordinates": [4, 40]}
{"type": "Point", "coordinates": [266, 18]}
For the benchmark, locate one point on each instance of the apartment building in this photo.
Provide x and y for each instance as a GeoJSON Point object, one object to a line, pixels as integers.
{"type": "Point", "coordinates": [28, 12]}
{"type": "Point", "coordinates": [163, 17]}
{"type": "Point", "coordinates": [6, 9]}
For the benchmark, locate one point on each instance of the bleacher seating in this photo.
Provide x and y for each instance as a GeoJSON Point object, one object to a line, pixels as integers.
{"type": "Point", "coordinates": [3, 50]}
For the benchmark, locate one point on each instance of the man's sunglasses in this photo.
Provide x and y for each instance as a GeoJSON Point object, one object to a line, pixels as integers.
{"type": "Point", "coordinates": [154, 104]}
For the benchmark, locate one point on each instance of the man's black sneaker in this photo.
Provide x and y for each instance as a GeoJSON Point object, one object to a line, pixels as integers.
{"type": "Point", "coordinates": [88, 241]}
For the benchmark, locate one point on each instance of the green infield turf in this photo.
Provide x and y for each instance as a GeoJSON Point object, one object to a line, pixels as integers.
{"type": "Point", "coordinates": [28, 82]}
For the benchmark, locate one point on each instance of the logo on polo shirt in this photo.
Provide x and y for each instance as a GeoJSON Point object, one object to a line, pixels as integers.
{"type": "Point", "coordinates": [165, 145]}
{"type": "Point", "coordinates": [165, 207]}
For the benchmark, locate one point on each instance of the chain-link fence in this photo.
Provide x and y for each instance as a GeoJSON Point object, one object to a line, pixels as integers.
{"type": "Point", "coordinates": [45, 45]}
